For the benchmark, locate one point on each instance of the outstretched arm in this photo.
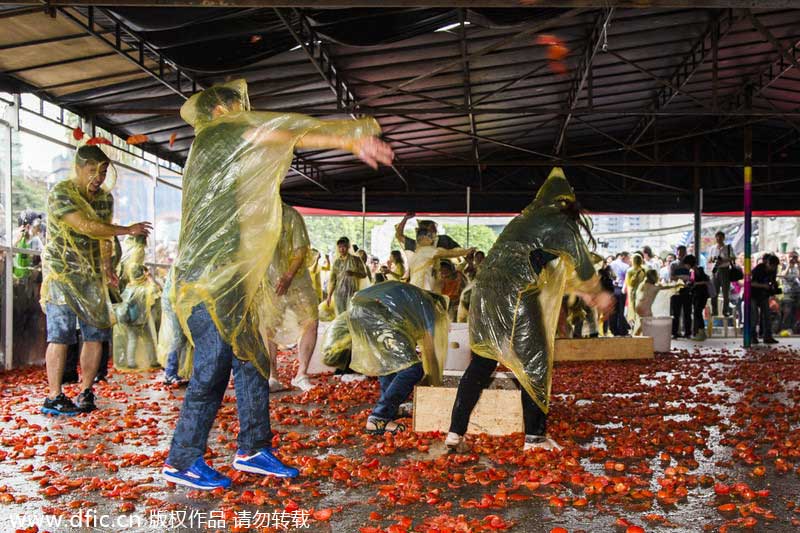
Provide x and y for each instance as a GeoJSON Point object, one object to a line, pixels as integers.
{"type": "Point", "coordinates": [350, 136]}
{"type": "Point", "coordinates": [441, 253]}
{"type": "Point", "coordinates": [101, 230]}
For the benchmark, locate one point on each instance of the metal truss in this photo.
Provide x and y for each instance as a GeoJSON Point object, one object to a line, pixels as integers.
{"type": "Point", "coordinates": [717, 28]}
{"type": "Point", "coordinates": [595, 41]}
{"type": "Point", "coordinates": [129, 45]}
{"type": "Point", "coordinates": [319, 55]}
{"type": "Point", "coordinates": [473, 128]}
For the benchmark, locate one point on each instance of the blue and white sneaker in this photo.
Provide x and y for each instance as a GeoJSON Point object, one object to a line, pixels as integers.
{"type": "Point", "coordinates": [263, 462]}
{"type": "Point", "coordinates": [198, 476]}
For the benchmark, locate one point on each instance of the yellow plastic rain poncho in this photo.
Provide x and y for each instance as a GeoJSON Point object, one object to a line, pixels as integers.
{"type": "Point", "coordinates": [515, 302]}
{"type": "Point", "coordinates": [297, 309]}
{"type": "Point", "coordinates": [344, 282]}
{"type": "Point", "coordinates": [231, 213]}
{"type": "Point", "coordinates": [171, 338]}
{"type": "Point", "coordinates": [385, 324]}
{"type": "Point", "coordinates": [74, 257]}
{"type": "Point", "coordinates": [337, 343]}
{"type": "Point", "coordinates": [136, 330]}
{"type": "Point", "coordinates": [633, 280]}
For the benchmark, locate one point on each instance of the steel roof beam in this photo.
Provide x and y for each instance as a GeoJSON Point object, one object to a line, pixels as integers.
{"type": "Point", "coordinates": [632, 4]}
{"type": "Point", "coordinates": [473, 128]}
{"type": "Point", "coordinates": [451, 113]}
{"type": "Point", "coordinates": [124, 37]}
{"type": "Point", "coordinates": [599, 164]}
{"type": "Point", "coordinates": [532, 30]}
{"type": "Point", "coordinates": [595, 41]}
{"type": "Point", "coordinates": [717, 29]}
{"type": "Point", "coordinates": [319, 55]}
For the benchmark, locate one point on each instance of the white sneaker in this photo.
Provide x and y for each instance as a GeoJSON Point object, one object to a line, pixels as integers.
{"type": "Point", "coordinates": [540, 442]}
{"type": "Point", "coordinates": [349, 378]}
{"type": "Point", "coordinates": [275, 385]}
{"type": "Point", "coordinates": [303, 383]}
{"type": "Point", "coordinates": [453, 440]}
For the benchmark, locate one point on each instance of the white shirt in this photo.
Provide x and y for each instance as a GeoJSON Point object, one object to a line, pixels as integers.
{"type": "Point", "coordinates": [724, 254]}
{"type": "Point", "coordinates": [421, 263]}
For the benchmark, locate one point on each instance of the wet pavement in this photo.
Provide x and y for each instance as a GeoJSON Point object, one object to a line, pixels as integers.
{"type": "Point", "coordinates": [706, 438]}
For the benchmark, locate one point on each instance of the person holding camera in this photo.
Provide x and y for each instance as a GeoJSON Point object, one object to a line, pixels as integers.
{"type": "Point", "coordinates": [722, 256]}
{"type": "Point", "coordinates": [764, 284]}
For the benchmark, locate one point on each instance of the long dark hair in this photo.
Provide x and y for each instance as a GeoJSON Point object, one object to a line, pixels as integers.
{"type": "Point", "coordinates": [398, 257]}
{"type": "Point", "coordinates": [574, 211]}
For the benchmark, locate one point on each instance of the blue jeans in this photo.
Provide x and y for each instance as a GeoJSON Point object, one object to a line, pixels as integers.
{"type": "Point", "coordinates": [61, 321]}
{"type": "Point", "coordinates": [395, 389]}
{"type": "Point", "coordinates": [213, 361]}
{"type": "Point", "coordinates": [172, 364]}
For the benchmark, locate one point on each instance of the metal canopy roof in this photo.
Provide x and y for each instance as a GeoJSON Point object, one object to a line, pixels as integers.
{"type": "Point", "coordinates": [653, 104]}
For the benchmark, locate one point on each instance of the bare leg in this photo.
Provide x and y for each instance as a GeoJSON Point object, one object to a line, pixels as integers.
{"type": "Point", "coordinates": [90, 363]}
{"type": "Point", "coordinates": [308, 341]}
{"type": "Point", "coordinates": [273, 359]}
{"type": "Point", "coordinates": [274, 383]}
{"type": "Point", "coordinates": [55, 359]}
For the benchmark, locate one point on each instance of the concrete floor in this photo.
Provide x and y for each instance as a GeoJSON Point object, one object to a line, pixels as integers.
{"type": "Point", "coordinates": [710, 407]}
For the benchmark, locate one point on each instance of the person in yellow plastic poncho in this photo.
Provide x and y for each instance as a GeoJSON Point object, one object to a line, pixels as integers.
{"type": "Point", "coordinates": [346, 274]}
{"type": "Point", "coordinates": [634, 277]}
{"type": "Point", "coordinates": [77, 271]}
{"type": "Point", "coordinates": [293, 298]}
{"type": "Point", "coordinates": [230, 227]}
{"type": "Point", "coordinates": [385, 325]}
{"type": "Point", "coordinates": [515, 304]}
{"type": "Point", "coordinates": [138, 314]}
{"type": "Point", "coordinates": [173, 350]}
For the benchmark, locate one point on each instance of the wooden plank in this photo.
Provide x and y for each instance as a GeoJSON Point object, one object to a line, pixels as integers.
{"type": "Point", "coordinates": [604, 349]}
{"type": "Point", "coordinates": [598, 349]}
{"type": "Point", "coordinates": [498, 412]}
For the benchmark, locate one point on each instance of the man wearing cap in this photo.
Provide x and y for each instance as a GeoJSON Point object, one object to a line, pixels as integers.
{"type": "Point", "coordinates": [77, 273]}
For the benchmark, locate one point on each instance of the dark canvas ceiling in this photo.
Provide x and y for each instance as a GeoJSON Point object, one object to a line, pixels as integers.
{"type": "Point", "coordinates": [653, 103]}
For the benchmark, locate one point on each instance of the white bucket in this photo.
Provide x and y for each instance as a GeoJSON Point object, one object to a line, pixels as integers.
{"type": "Point", "coordinates": [661, 331]}
{"type": "Point", "coordinates": [458, 349]}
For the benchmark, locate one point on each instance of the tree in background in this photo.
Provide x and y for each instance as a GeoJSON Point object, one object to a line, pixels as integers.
{"type": "Point", "coordinates": [481, 237]}
{"type": "Point", "coordinates": [325, 231]}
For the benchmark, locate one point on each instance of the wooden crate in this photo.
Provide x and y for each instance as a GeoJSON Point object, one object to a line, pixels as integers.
{"type": "Point", "coordinates": [598, 349]}
{"type": "Point", "coordinates": [499, 411]}
{"type": "Point", "coordinates": [604, 348]}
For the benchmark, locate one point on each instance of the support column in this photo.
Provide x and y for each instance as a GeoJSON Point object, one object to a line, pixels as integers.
{"type": "Point", "coordinates": [8, 300]}
{"type": "Point", "coordinates": [748, 231]}
{"type": "Point", "coordinates": [469, 209]}
{"type": "Point", "coordinates": [698, 204]}
{"type": "Point", "coordinates": [364, 218]}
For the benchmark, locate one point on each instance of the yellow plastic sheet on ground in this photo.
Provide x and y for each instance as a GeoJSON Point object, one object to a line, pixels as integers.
{"type": "Point", "coordinates": [387, 323]}
{"type": "Point", "coordinates": [231, 213]}
{"type": "Point", "coordinates": [170, 335]}
{"type": "Point", "coordinates": [73, 256]}
{"type": "Point", "coordinates": [136, 330]}
{"type": "Point", "coordinates": [517, 294]}
{"type": "Point", "coordinates": [297, 309]}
